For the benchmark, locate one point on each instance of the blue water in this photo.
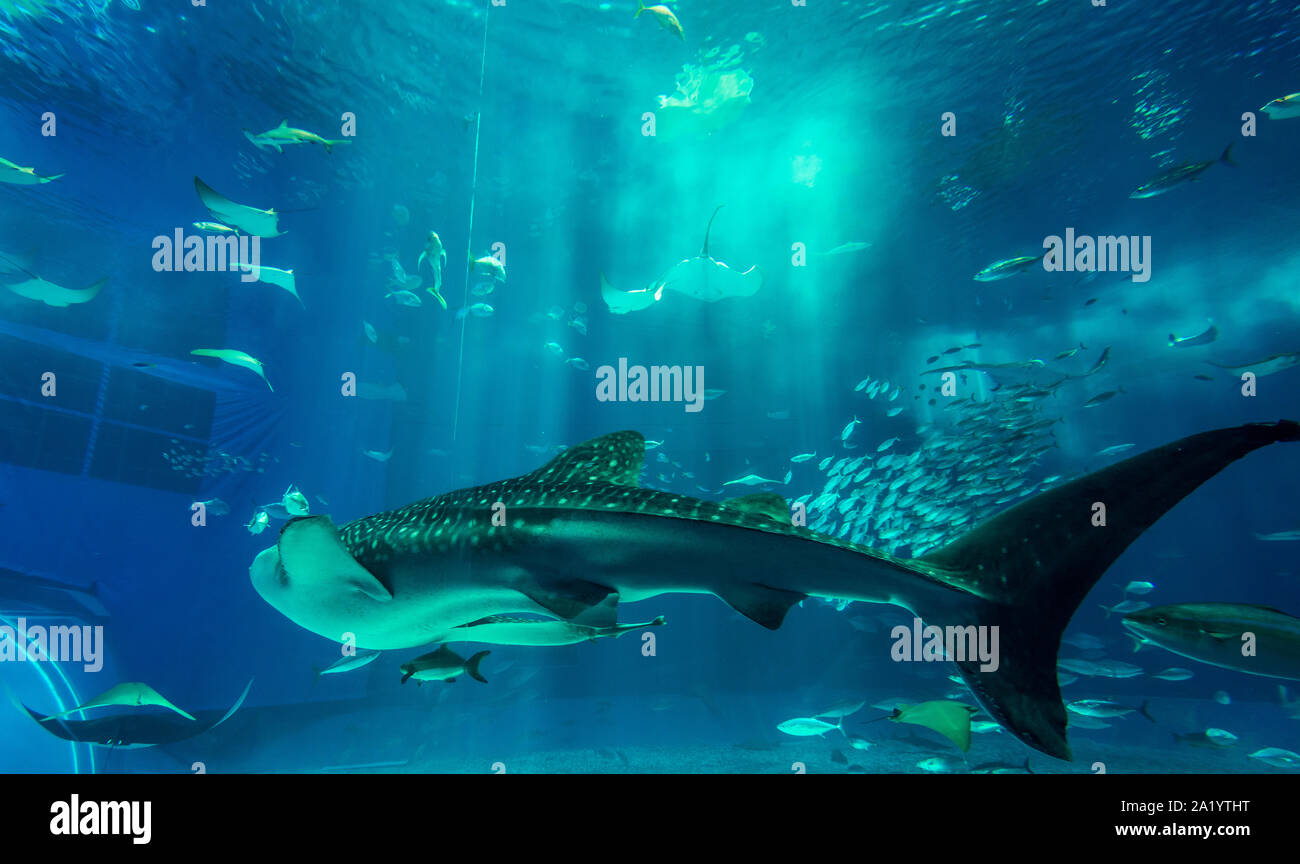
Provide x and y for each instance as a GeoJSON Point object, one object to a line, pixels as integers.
{"type": "Point", "coordinates": [529, 120]}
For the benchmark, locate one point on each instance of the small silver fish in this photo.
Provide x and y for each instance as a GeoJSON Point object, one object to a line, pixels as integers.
{"type": "Point", "coordinates": [258, 523]}
{"type": "Point", "coordinates": [805, 726]}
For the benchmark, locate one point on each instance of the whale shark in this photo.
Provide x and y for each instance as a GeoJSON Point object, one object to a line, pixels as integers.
{"type": "Point", "coordinates": [131, 731]}
{"type": "Point", "coordinates": [580, 536]}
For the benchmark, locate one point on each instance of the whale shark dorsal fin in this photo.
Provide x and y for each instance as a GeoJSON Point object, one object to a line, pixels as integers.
{"type": "Point", "coordinates": [761, 503]}
{"type": "Point", "coordinates": [615, 458]}
{"type": "Point", "coordinates": [310, 548]}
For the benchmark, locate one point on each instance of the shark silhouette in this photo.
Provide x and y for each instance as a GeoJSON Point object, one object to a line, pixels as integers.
{"type": "Point", "coordinates": [581, 535]}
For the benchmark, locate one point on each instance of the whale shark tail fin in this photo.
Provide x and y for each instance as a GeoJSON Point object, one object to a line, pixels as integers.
{"type": "Point", "coordinates": [1028, 568]}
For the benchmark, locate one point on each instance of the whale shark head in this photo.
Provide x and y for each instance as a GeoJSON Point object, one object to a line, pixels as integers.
{"type": "Point", "coordinates": [310, 577]}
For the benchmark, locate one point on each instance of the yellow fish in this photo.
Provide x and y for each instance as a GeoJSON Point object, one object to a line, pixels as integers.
{"type": "Point", "coordinates": [949, 719]}
{"type": "Point", "coordinates": [665, 17]}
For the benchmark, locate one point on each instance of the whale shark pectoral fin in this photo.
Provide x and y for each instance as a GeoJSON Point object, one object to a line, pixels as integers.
{"type": "Point", "coordinates": [759, 603]}
{"type": "Point", "coordinates": [575, 600]}
{"type": "Point", "coordinates": [603, 614]}
{"type": "Point", "coordinates": [310, 549]}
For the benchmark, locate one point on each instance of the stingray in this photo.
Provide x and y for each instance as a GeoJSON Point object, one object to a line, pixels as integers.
{"type": "Point", "coordinates": [235, 358]}
{"type": "Point", "coordinates": [191, 374]}
{"type": "Point", "coordinates": [11, 173]}
{"type": "Point", "coordinates": [702, 277]}
{"type": "Point", "coordinates": [949, 719]}
{"type": "Point", "coordinates": [250, 220]}
{"type": "Point", "coordinates": [36, 288]}
{"type": "Point", "coordinates": [1265, 366]}
{"type": "Point", "coordinates": [274, 276]}
{"type": "Point", "coordinates": [136, 731]}
{"type": "Point", "coordinates": [129, 693]}
{"type": "Point", "coordinates": [54, 295]}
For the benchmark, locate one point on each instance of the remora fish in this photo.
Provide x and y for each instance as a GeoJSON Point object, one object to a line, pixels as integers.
{"type": "Point", "coordinates": [250, 220]}
{"type": "Point", "coordinates": [285, 134]}
{"type": "Point", "coordinates": [1211, 633]}
{"type": "Point", "coordinates": [844, 248]}
{"type": "Point", "coordinates": [443, 665]}
{"type": "Point", "coordinates": [1007, 268]}
{"type": "Point", "coordinates": [1167, 180]}
{"type": "Point", "coordinates": [518, 630]}
{"type": "Point", "coordinates": [347, 663]}
{"type": "Point", "coordinates": [136, 731]}
{"type": "Point", "coordinates": [405, 577]}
